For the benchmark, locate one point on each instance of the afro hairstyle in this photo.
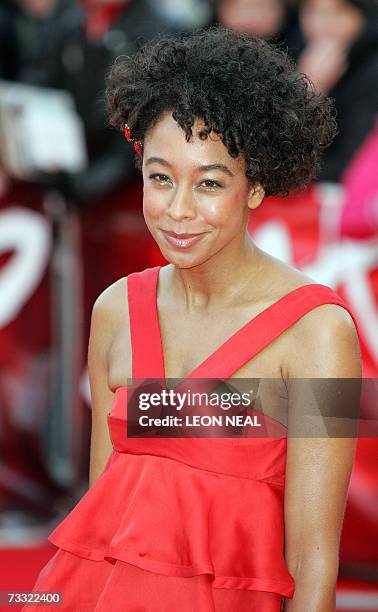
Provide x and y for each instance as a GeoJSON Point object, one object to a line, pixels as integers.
{"type": "Point", "coordinates": [244, 89]}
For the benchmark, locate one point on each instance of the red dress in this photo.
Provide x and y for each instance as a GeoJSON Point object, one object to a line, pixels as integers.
{"type": "Point", "coordinates": [182, 524]}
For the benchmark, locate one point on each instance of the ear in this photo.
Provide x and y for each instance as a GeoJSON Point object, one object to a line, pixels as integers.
{"type": "Point", "coordinates": [256, 196]}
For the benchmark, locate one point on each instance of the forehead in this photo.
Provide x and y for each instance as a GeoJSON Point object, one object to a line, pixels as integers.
{"type": "Point", "coordinates": [166, 139]}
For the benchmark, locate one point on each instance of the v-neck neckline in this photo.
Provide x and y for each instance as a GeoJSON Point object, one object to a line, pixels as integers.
{"type": "Point", "coordinates": [221, 350]}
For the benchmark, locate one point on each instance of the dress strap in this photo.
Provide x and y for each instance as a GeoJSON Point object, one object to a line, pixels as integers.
{"type": "Point", "coordinates": [147, 356]}
{"type": "Point", "coordinates": [264, 328]}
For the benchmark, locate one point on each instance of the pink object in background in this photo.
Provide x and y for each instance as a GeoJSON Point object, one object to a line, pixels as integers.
{"type": "Point", "coordinates": [359, 217]}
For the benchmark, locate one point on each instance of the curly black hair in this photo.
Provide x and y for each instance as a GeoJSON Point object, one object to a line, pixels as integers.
{"type": "Point", "coordinates": [243, 88]}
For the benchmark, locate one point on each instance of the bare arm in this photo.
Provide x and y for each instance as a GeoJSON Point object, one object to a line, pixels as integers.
{"type": "Point", "coordinates": [105, 324]}
{"type": "Point", "coordinates": [318, 468]}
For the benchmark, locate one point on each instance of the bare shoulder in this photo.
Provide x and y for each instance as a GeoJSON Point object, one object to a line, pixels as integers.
{"type": "Point", "coordinates": [113, 297]}
{"type": "Point", "coordinates": [322, 343]}
{"type": "Point", "coordinates": [112, 304]}
{"type": "Point", "coordinates": [110, 312]}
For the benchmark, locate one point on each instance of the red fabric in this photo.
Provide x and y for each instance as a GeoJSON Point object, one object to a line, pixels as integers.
{"type": "Point", "coordinates": [182, 524]}
{"type": "Point", "coordinates": [122, 587]}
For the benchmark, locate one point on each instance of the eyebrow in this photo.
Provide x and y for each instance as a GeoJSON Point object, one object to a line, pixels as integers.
{"type": "Point", "coordinates": [207, 167]}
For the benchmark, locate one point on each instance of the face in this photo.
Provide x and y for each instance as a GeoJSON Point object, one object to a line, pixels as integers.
{"type": "Point", "coordinates": [261, 18]}
{"type": "Point", "coordinates": [330, 19]}
{"type": "Point", "coordinates": [194, 189]}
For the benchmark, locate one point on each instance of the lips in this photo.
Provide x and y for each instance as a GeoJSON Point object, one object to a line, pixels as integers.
{"type": "Point", "coordinates": [182, 241]}
{"type": "Point", "coordinates": [181, 236]}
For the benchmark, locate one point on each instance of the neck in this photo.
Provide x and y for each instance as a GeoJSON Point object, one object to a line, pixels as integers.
{"type": "Point", "coordinates": [219, 280]}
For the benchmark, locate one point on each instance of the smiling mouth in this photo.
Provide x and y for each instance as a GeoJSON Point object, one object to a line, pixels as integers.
{"type": "Point", "coordinates": [182, 241]}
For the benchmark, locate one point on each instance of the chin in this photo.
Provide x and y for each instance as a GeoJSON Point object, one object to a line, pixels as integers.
{"type": "Point", "coordinates": [185, 261]}
{"type": "Point", "coordinates": [182, 262]}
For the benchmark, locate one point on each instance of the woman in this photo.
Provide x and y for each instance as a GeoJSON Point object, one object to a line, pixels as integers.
{"type": "Point", "coordinates": [218, 121]}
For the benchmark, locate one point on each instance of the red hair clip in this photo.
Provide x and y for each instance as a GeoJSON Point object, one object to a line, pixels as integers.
{"type": "Point", "coordinates": [138, 148]}
{"type": "Point", "coordinates": [127, 132]}
{"type": "Point", "coordinates": [136, 143]}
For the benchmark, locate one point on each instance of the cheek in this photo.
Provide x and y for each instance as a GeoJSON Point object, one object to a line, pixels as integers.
{"type": "Point", "coordinates": [154, 204]}
{"type": "Point", "coordinates": [225, 211]}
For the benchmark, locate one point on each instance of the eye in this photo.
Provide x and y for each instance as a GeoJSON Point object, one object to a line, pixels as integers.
{"type": "Point", "coordinates": [210, 184]}
{"type": "Point", "coordinates": [161, 179]}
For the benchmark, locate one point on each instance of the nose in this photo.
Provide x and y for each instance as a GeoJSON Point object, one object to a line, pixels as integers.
{"type": "Point", "coordinates": [182, 205]}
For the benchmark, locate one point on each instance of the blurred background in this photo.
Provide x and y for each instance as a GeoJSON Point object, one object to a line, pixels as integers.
{"type": "Point", "coordinates": [71, 223]}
